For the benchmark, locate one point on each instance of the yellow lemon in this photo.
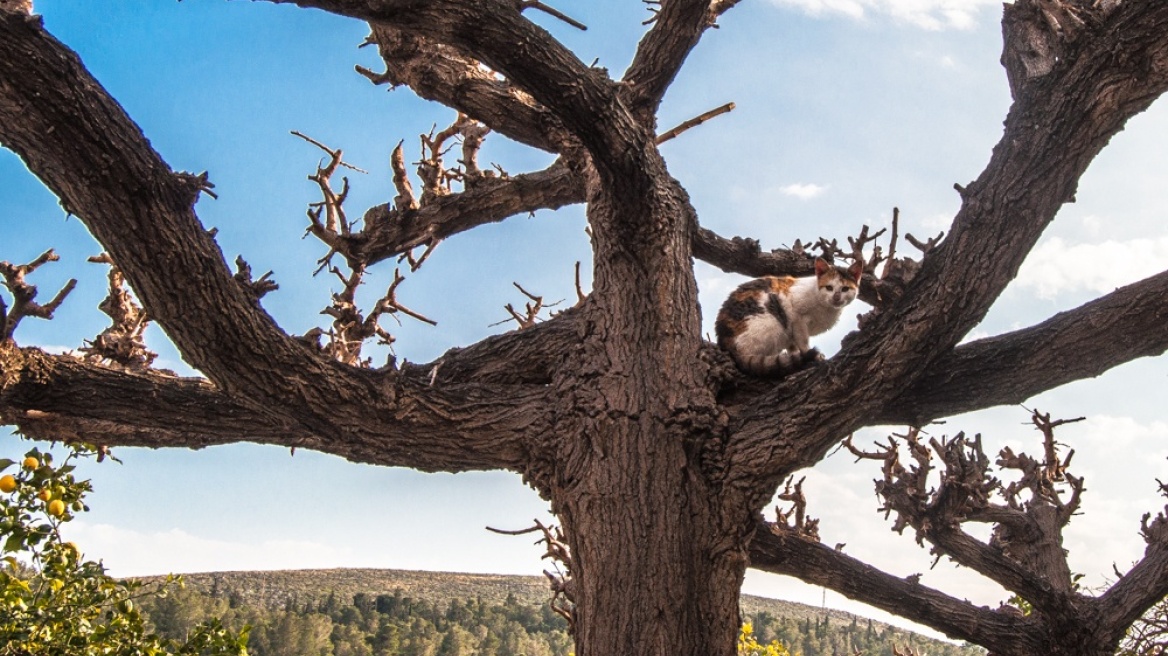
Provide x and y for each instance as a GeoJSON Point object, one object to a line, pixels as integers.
{"type": "Point", "coordinates": [30, 463]}
{"type": "Point", "coordinates": [56, 507]}
{"type": "Point", "coordinates": [7, 483]}
{"type": "Point", "coordinates": [45, 495]}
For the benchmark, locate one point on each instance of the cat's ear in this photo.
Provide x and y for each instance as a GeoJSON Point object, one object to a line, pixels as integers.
{"type": "Point", "coordinates": [856, 271]}
{"type": "Point", "coordinates": [821, 267]}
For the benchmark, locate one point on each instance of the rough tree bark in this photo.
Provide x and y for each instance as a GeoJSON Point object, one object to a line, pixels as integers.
{"type": "Point", "coordinates": [654, 453]}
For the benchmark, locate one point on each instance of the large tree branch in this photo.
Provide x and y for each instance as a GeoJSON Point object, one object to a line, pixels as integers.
{"type": "Point", "coordinates": [390, 231]}
{"type": "Point", "coordinates": [745, 256]}
{"type": "Point", "coordinates": [442, 74]}
{"type": "Point", "coordinates": [1052, 134]}
{"type": "Point", "coordinates": [83, 147]}
{"type": "Point", "coordinates": [1081, 343]}
{"type": "Point", "coordinates": [59, 397]}
{"type": "Point", "coordinates": [584, 100]}
{"type": "Point", "coordinates": [677, 28]}
{"type": "Point", "coordinates": [819, 564]}
{"type": "Point", "coordinates": [528, 356]}
{"type": "Point", "coordinates": [992, 563]}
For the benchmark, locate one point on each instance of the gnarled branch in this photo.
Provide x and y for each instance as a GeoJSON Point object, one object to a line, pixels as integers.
{"type": "Point", "coordinates": [819, 564]}
{"type": "Point", "coordinates": [443, 74]}
{"type": "Point", "coordinates": [446, 427]}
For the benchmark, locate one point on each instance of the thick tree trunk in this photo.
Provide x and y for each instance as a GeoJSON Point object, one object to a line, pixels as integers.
{"type": "Point", "coordinates": [658, 541]}
{"type": "Point", "coordinates": [655, 575]}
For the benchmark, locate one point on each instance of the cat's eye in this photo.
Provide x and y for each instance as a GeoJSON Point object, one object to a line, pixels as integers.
{"type": "Point", "coordinates": [830, 288]}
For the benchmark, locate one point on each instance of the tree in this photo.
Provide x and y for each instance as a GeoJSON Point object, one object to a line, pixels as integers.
{"type": "Point", "coordinates": [655, 454]}
{"type": "Point", "coordinates": [55, 601]}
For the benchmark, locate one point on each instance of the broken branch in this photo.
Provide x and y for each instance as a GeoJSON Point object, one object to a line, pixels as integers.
{"type": "Point", "coordinates": [694, 122]}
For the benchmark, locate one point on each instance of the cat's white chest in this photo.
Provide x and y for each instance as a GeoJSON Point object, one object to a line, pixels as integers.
{"type": "Point", "coordinates": [821, 319]}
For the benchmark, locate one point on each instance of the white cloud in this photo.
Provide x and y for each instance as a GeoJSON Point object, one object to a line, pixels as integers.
{"type": "Point", "coordinates": [925, 14]}
{"type": "Point", "coordinates": [1092, 225]}
{"type": "Point", "coordinates": [849, 8]}
{"type": "Point", "coordinates": [803, 190]}
{"type": "Point", "coordinates": [127, 552]}
{"type": "Point", "coordinates": [1055, 267]}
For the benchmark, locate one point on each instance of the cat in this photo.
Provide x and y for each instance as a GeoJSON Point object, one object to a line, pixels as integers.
{"type": "Point", "coordinates": [766, 324]}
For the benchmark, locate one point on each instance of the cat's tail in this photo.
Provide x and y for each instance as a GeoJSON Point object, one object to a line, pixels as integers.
{"type": "Point", "coordinates": [777, 364]}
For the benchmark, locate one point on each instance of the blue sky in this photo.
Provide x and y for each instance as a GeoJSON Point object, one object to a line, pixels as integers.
{"type": "Point", "coordinates": [845, 109]}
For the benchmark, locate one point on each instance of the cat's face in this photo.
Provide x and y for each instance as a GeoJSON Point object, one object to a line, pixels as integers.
{"type": "Point", "coordinates": [837, 291]}
{"type": "Point", "coordinates": [837, 288]}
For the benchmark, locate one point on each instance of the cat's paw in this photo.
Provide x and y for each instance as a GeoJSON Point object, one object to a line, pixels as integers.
{"type": "Point", "coordinates": [811, 357]}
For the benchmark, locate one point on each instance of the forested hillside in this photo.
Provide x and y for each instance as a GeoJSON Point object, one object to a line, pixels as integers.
{"type": "Point", "coordinates": [391, 613]}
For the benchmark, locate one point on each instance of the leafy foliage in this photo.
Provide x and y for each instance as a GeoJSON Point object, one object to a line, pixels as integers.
{"type": "Point", "coordinates": [748, 645]}
{"type": "Point", "coordinates": [53, 600]}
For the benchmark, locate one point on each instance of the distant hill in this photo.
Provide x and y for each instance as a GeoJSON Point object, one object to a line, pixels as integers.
{"type": "Point", "coordinates": [274, 590]}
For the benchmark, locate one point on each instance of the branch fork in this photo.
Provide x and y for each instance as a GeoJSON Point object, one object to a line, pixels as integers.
{"type": "Point", "coordinates": [24, 295]}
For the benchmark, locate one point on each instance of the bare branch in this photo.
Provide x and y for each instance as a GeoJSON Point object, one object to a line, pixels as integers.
{"type": "Point", "coordinates": [536, 4]}
{"type": "Point", "coordinates": [803, 526]}
{"type": "Point", "coordinates": [563, 598]}
{"type": "Point", "coordinates": [516, 357]}
{"type": "Point", "coordinates": [443, 74]}
{"type": "Point", "coordinates": [694, 122]}
{"type": "Point", "coordinates": [123, 343]}
{"type": "Point", "coordinates": [24, 294]}
{"type": "Point", "coordinates": [1143, 586]}
{"type": "Point", "coordinates": [389, 232]}
{"type": "Point", "coordinates": [927, 246]}
{"type": "Point", "coordinates": [745, 256]}
{"type": "Point", "coordinates": [257, 288]}
{"type": "Point", "coordinates": [531, 309]}
{"type": "Point", "coordinates": [405, 200]}
{"type": "Point", "coordinates": [819, 564]}
{"type": "Point", "coordinates": [580, 295]}
{"type": "Point", "coordinates": [577, 95]}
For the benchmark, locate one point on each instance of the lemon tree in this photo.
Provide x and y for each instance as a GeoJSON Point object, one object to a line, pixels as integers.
{"type": "Point", "coordinates": [55, 601]}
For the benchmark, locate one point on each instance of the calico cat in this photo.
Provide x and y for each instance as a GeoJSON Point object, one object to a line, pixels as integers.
{"type": "Point", "coordinates": [766, 324]}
